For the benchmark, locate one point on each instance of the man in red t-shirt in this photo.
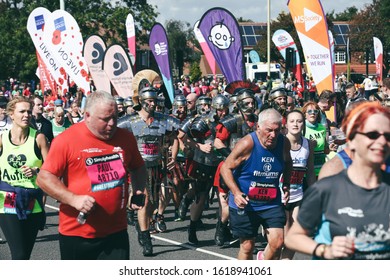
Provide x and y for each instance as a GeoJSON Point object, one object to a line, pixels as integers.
{"type": "Point", "coordinates": [94, 186]}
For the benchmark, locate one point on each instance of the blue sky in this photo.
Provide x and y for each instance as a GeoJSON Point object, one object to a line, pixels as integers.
{"type": "Point", "coordinates": [256, 10]}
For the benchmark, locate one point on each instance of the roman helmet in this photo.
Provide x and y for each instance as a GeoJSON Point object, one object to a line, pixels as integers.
{"type": "Point", "coordinates": [200, 102]}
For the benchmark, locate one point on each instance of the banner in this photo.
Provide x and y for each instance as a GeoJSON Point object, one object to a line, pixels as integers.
{"type": "Point", "coordinates": [46, 80]}
{"type": "Point", "coordinates": [378, 50]}
{"type": "Point", "coordinates": [63, 37]}
{"type": "Point", "coordinates": [35, 26]}
{"type": "Point", "coordinates": [310, 22]}
{"type": "Point", "coordinates": [254, 56]}
{"type": "Point", "coordinates": [283, 40]}
{"type": "Point", "coordinates": [332, 52]}
{"type": "Point", "coordinates": [158, 42]}
{"type": "Point", "coordinates": [205, 48]}
{"type": "Point", "coordinates": [117, 65]}
{"type": "Point", "coordinates": [220, 29]}
{"type": "Point", "coordinates": [93, 52]}
{"type": "Point", "coordinates": [130, 30]}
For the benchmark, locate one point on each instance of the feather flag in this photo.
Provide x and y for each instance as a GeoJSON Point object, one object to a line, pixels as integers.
{"type": "Point", "coordinates": [158, 42]}
{"type": "Point", "coordinates": [221, 31]}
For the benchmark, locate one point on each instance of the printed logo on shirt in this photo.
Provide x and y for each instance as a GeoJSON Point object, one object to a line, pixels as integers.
{"type": "Point", "coordinates": [356, 213]}
{"type": "Point", "coordinates": [16, 161]}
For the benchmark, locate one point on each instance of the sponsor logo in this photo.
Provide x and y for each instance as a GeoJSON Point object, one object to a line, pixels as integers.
{"type": "Point", "coordinates": [309, 18]}
{"type": "Point", "coordinates": [356, 213]}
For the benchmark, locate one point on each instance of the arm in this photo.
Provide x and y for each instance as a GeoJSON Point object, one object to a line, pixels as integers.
{"type": "Point", "coordinates": [240, 153]}
{"type": "Point", "coordinates": [331, 167]}
{"type": "Point", "coordinates": [287, 169]}
{"type": "Point", "coordinates": [138, 182]}
{"type": "Point", "coordinates": [55, 188]}
{"type": "Point", "coordinates": [43, 145]}
{"type": "Point", "coordinates": [310, 173]}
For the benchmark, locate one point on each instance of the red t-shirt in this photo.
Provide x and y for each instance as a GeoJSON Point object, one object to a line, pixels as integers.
{"type": "Point", "coordinates": [97, 168]}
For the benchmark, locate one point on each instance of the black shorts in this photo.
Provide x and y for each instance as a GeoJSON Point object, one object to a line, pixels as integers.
{"type": "Point", "coordinates": [247, 225]}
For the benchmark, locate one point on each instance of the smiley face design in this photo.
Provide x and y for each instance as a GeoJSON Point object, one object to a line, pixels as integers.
{"type": "Point", "coordinates": [56, 37]}
{"type": "Point", "coordinates": [220, 36]}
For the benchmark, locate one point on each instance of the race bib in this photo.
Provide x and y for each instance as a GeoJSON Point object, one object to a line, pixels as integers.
{"type": "Point", "coordinates": [105, 172]}
{"type": "Point", "coordinates": [150, 149]}
{"type": "Point", "coordinates": [262, 192]}
{"type": "Point", "coordinates": [10, 204]}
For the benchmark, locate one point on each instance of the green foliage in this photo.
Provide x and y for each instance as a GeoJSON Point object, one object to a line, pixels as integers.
{"type": "Point", "coordinates": [347, 15]}
{"type": "Point", "coordinates": [17, 52]}
{"type": "Point", "coordinates": [195, 73]}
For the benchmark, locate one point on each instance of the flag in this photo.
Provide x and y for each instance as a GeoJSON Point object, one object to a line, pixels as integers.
{"type": "Point", "coordinates": [63, 37]}
{"type": "Point", "coordinates": [46, 80]}
{"type": "Point", "coordinates": [158, 42]}
{"type": "Point", "coordinates": [310, 22]}
{"type": "Point", "coordinates": [130, 31]}
{"type": "Point", "coordinates": [378, 50]}
{"type": "Point", "coordinates": [254, 56]}
{"type": "Point", "coordinates": [205, 48]}
{"type": "Point", "coordinates": [93, 52]}
{"type": "Point", "coordinates": [117, 65]}
{"type": "Point", "coordinates": [36, 23]}
{"type": "Point", "coordinates": [283, 40]}
{"type": "Point", "coordinates": [221, 31]}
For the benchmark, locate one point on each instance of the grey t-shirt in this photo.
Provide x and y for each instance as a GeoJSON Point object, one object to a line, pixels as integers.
{"type": "Point", "coordinates": [334, 206]}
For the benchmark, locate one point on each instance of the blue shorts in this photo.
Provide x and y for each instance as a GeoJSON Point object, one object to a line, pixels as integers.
{"type": "Point", "coordinates": [247, 225]}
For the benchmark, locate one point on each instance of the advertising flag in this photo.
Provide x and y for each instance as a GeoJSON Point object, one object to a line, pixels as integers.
{"type": "Point", "coordinates": [62, 35]}
{"type": "Point", "coordinates": [117, 65]}
{"type": "Point", "coordinates": [45, 78]}
{"type": "Point", "coordinates": [221, 31]}
{"type": "Point", "coordinates": [130, 30]}
{"type": "Point", "coordinates": [310, 22]}
{"type": "Point", "coordinates": [205, 48]}
{"type": "Point", "coordinates": [283, 40]}
{"type": "Point", "coordinates": [332, 52]}
{"type": "Point", "coordinates": [254, 56]}
{"type": "Point", "coordinates": [93, 52]}
{"type": "Point", "coordinates": [158, 42]}
{"type": "Point", "coordinates": [36, 23]}
{"type": "Point", "coordinates": [378, 50]}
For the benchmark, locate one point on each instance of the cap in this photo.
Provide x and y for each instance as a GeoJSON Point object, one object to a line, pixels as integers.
{"type": "Point", "coordinates": [58, 102]}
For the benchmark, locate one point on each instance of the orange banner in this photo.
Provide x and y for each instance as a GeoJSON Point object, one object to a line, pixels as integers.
{"type": "Point", "coordinates": [310, 22]}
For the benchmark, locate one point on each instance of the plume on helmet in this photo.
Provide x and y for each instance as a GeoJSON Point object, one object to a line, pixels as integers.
{"type": "Point", "coordinates": [144, 78]}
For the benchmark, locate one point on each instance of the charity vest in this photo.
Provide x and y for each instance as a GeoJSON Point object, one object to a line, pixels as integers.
{"type": "Point", "coordinates": [317, 132]}
{"type": "Point", "coordinates": [258, 177]}
{"type": "Point", "coordinates": [12, 158]}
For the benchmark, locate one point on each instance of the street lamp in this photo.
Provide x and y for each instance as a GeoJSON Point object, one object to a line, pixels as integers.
{"type": "Point", "coordinates": [269, 37]}
{"type": "Point", "coordinates": [62, 5]}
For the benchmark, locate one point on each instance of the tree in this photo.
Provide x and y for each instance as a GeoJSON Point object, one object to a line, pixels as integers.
{"type": "Point", "coordinates": [369, 23]}
{"type": "Point", "coordinates": [181, 42]}
{"type": "Point", "coordinates": [195, 73]}
{"type": "Point", "coordinates": [17, 52]}
{"type": "Point", "coordinates": [347, 15]}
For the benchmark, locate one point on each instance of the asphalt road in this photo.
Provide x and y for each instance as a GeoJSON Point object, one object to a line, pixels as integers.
{"type": "Point", "coordinates": [170, 245]}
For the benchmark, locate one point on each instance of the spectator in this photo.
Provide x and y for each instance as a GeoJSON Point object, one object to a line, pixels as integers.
{"type": "Point", "coordinates": [103, 147]}
{"type": "Point", "coordinates": [59, 123]}
{"type": "Point", "coordinates": [352, 95]}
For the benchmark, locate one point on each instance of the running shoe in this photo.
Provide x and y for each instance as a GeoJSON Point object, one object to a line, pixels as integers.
{"type": "Point", "coordinates": [160, 223]}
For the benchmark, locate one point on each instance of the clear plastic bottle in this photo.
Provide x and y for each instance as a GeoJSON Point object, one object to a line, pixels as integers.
{"type": "Point", "coordinates": [82, 218]}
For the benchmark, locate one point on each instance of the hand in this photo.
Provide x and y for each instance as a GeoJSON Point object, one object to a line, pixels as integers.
{"type": "Point", "coordinates": [171, 164]}
{"type": "Point", "coordinates": [341, 247]}
{"type": "Point", "coordinates": [333, 147]}
{"type": "Point", "coordinates": [83, 203]}
{"type": "Point", "coordinates": [134, 206]}
{"type": "Point", "coordinates": [28, 171]}
{"type": "Point", "coordinates": [206, 148]}
{"type": "Point", "coordinates": [241, 200]}
{"type": "Point", "coordinates": [286, 194]}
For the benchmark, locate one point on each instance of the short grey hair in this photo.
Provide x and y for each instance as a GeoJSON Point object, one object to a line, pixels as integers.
{"type": "Point", "coordinates": [98, 97]}
{"type": "Point", "coordinates": [270, 115]}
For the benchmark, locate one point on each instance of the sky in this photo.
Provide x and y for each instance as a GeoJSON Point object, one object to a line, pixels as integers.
{"type": "Point", "coordinates": [192, 10]}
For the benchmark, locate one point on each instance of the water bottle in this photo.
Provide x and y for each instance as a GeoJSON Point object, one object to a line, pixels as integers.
{"type": "Point", "coordinates": [82, 218]}
{"type": "Point", "coordinates": [241, 211]}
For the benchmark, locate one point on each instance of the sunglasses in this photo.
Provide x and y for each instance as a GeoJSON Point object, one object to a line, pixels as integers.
{"type": "Point", "coordinates": [312, 112]}
{"type": "Point", "coordinates": [373, 135]}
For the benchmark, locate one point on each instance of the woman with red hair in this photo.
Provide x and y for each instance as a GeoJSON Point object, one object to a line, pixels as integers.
{"type": "Point", "coordinates": [348, 213]}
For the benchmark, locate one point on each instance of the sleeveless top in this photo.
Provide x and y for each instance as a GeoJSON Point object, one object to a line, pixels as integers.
{"type": "Point", "coordinates": [11, 159]}
{"type": "Point", "coordinates": [299, 158]}
{"type": "Point", "coordinates": [317, 132]}
{"type": "Point", "coordinates": [258, 176]}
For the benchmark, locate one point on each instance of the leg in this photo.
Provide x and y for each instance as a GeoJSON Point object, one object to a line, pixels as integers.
{"type": "Point", "coordinates": [246, 249]}
{"type": "Point", "coordinates": [275, 238]}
